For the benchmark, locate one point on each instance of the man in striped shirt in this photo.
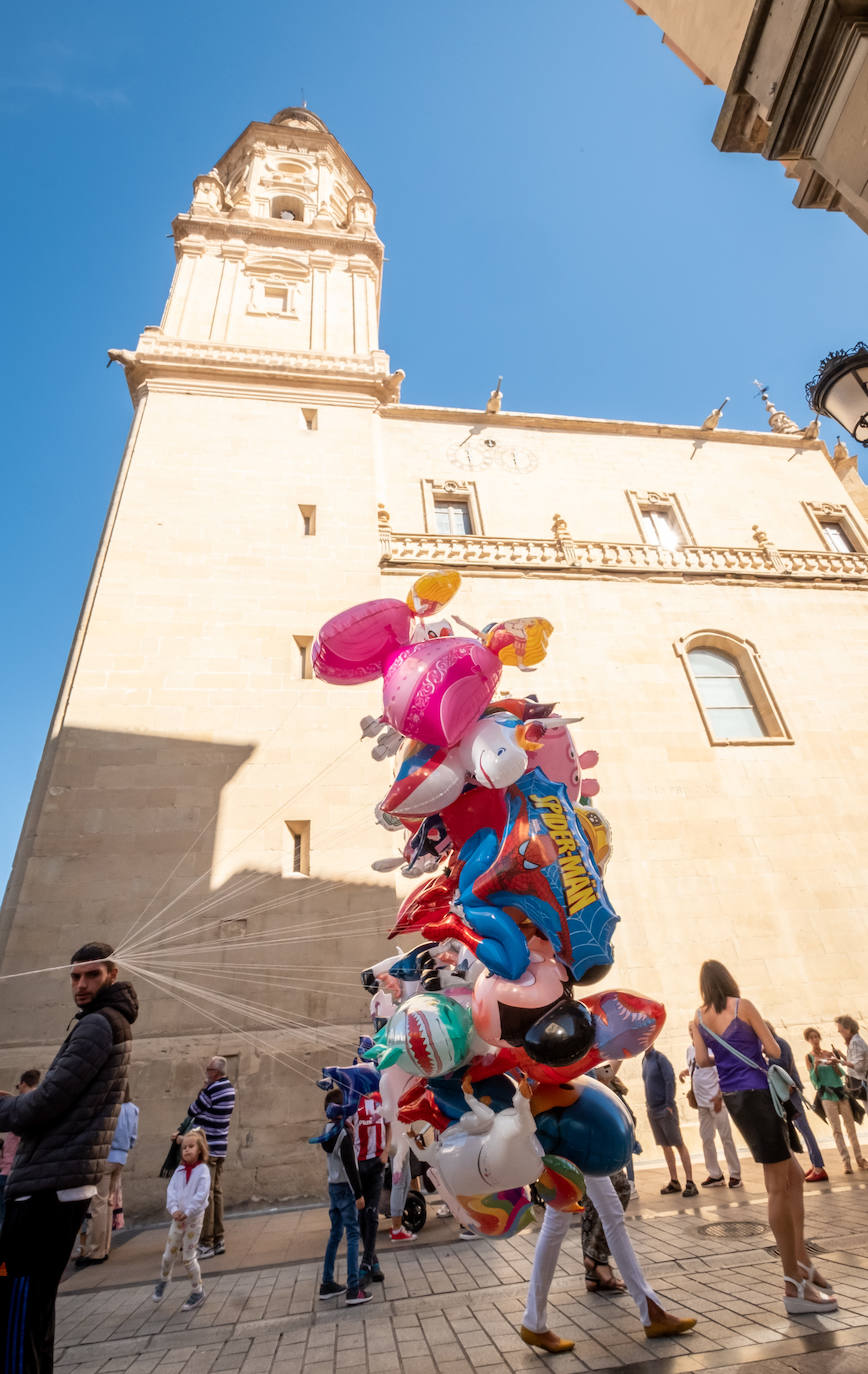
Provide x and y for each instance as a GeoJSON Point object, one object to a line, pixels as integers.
{"type": "Point", "coordinates": [211, 1111]}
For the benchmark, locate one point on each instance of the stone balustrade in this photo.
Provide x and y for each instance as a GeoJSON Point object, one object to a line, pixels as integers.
{"type": "Point", "coordinates": [567, 555]}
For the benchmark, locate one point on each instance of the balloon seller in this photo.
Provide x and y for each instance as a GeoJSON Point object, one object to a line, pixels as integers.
{"type": "Point", "coordinates": [483, 1065]}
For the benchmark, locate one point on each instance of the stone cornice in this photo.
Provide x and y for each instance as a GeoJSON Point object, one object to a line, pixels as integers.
{"type": "Point", "coordinates": [604, 558]}
{"type": "Point", "coordinates": [284, 137]}
{"type": "Point", "coordinates": [270, 234]}
{"type": "Point", "coordinates": [576, 424]}
{"type": "Point", "coordinates": [160, 357]}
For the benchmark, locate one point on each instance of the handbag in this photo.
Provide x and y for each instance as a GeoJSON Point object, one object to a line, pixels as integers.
{"type": "Point", "coordinates": [817, 1105]}
{"type": "Point", "coordinates": [781, 1086]}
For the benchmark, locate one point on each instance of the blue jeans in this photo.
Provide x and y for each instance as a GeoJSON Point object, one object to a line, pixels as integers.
{"type": "Point", "coordinates": [2, 1197]}
{"type": "Point", "coordinates": [344, 1216]}
{"type": "Point", "coordinates": [800, 1121]}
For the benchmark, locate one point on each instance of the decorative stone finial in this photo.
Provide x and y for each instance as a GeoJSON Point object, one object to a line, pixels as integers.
{"type": "Point", "coordinates": [840, 451]}
{"type": "Point", "coordinates": [493, 404]}
{"type": "Point", "coordinates": [392, 387]}
{"type": "Point", "coordinates": [770, 550]}
{"type": "Point", "coordinates": [559, 527]}
{"type": "Point", "coordinates": [779, 421]}
{"type": "Point", "coordinates": [713, 420]}
{"type": "Point", "coordinates": [383, 516]}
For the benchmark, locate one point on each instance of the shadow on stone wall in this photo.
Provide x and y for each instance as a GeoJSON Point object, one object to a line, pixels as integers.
{"type": "Point", "coordinates": [118, 814]}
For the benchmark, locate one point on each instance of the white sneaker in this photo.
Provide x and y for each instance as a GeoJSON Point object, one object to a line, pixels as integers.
{"type": "Point", "coordinates": [634, 1193]}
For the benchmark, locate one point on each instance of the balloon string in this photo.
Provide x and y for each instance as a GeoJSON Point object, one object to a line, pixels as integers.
{"type": "Point", "coordinates": [358, 926]}
{"type": "Point", "coordinates": [195, 883]}
{"type": "Point", "coordinates": [268, 740]}
{"type": "Point", "coordinates": [216, 899]}
{"type": "Point", "coordinates": [310, 1027]}
{"type": "Point", "coordinates": [167, 985]}
{"type": "Point", "coordinates": [311, 984]}
{"type": "Point", "coordinates": [154, 940]}
{"type": "Point", "coordinates": [170, 945]}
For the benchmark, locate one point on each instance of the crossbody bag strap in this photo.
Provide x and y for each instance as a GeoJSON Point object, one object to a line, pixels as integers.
{"type": "Point", "coordinates": [726, 1045]}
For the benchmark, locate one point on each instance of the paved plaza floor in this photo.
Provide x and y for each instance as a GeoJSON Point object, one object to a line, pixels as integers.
{"type": "Point", "coordinates": [449, 1306]}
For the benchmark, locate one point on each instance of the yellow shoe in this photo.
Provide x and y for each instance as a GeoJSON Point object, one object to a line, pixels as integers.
{"type": "Point", "coordinates": [665, 1324]}
{"type": "Point", "coordinates": [546, 1340]}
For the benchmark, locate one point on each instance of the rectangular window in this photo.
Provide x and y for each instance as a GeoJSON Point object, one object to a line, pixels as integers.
{"type": "Point", "coordinates": [308, 519]}
{"type": "Point", "coordinates": [302, 668]}
{"type": "Point", "coordinates": [836, 536]}
{"type": "Point", "coordinates": [274, 298]}
{"type": "Point", "coordinates": [453, 517]}
{"type": "Point", "coordinates": [296, 849]}
{"type": "Point", "coordinates": [660, 527]}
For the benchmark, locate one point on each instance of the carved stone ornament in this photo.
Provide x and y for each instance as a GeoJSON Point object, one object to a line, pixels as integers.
{"type": "Point", "coordinates": [208, 194]}
{"type": "Point", "coordinates": [383, 516]}
{"type": "Point", "coordinates": [392, 387]}
{"type": "Point", "coordinates": [827, 511]}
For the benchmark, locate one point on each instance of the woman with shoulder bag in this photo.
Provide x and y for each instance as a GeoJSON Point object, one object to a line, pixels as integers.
{"type": "Point", "coordinates": [732, 1028]}
{"type": "Point", "coordinates": [828, 1079]}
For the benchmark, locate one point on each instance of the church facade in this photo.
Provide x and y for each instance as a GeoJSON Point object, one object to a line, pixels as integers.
{"type": "Point", "coordinates": [206, 804]}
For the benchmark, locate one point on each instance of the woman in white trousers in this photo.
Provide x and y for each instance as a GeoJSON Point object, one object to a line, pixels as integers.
{"type": "Point", "coordinates": [655, 1320]}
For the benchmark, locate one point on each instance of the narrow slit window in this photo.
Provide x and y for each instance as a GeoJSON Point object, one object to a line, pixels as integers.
{"type": "Point", "coordinates": [309, 418]}
{"type": "Point", "coordinates": [302, 659]}
{"type": "Point", "coordinates": [308, 519]}
{"type": "Point", "coordinates": [296, 849]}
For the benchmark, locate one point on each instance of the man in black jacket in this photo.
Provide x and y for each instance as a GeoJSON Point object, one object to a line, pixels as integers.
{"type": "Point", "coordinates": [66, 1126]}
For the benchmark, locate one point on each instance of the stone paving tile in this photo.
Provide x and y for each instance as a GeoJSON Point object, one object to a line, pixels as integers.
{"type": "Point", "coordinates": [453, 1308]}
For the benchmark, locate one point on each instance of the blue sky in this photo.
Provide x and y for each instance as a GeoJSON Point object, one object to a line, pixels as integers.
{"type": "Point", "coordinates": [552, 206]}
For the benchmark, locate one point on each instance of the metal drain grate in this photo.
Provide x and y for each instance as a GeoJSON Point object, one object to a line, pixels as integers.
{"type": "Point", "coordinates": [813, 1247]}
{"type": "Point", "coordinates": [733, 1230]}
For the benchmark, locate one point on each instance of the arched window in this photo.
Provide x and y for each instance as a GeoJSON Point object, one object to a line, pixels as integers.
{"type": "Point", "coordinates": [734, 699]}
{"type": "Point", "coordinates": [287, 208]}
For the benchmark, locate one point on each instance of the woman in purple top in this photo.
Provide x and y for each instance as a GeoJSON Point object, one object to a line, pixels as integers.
{"type": "Point", "coordinates": [748, 1100]}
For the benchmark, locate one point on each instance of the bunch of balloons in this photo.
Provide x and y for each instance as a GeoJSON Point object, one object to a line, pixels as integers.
{"type": "Point", "coordinates": [483, 1065]}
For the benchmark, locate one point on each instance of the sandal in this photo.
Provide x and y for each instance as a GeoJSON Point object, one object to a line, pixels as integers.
{"type": "Point", "coordinates": [596, 1283]}
{"type": "Point", "coordinates": [813, 1278]}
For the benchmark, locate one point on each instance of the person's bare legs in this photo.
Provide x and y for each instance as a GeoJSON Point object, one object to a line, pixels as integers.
{"type": "Point", "coordinates": [669, 1156]}
{"type": "Point", "coordinates": [796, 1194]}
{"type": "Point", "coordinates": [784, 1184]}
{"type": "Point", "coordinates": [685, 1160]}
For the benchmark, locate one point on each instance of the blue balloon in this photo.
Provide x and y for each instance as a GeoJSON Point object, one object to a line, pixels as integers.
{"type": "Point", "coordinates": [595, 1133]}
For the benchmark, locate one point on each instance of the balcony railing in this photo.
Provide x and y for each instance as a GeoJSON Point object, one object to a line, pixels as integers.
{"type": "Point", "coordinates": [567, 555]}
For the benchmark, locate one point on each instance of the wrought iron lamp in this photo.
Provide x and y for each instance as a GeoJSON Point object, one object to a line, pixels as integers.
{"type": "Point", "coordinates": [840, 390]}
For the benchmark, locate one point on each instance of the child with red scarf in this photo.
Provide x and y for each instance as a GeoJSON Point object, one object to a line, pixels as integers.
{"type": "Point", "coordinates": [186, 1200]}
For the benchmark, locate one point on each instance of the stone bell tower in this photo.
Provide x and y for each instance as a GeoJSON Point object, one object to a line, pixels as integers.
{"type": "Point", "coordinates": [174, 811]}
{"type": "Point", "coordinates": [278, 253]}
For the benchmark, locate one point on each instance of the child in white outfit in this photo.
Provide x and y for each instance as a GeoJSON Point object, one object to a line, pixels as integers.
{"type": "Point", "coordinates": [186, 1200]}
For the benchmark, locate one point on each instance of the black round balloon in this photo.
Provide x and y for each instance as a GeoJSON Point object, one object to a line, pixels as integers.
{"type": "Point", "coordinates": [562, 1035]}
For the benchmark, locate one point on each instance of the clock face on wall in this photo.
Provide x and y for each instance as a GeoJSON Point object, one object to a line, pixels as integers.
{"type": "Point", "coordinates": [475, 454]}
